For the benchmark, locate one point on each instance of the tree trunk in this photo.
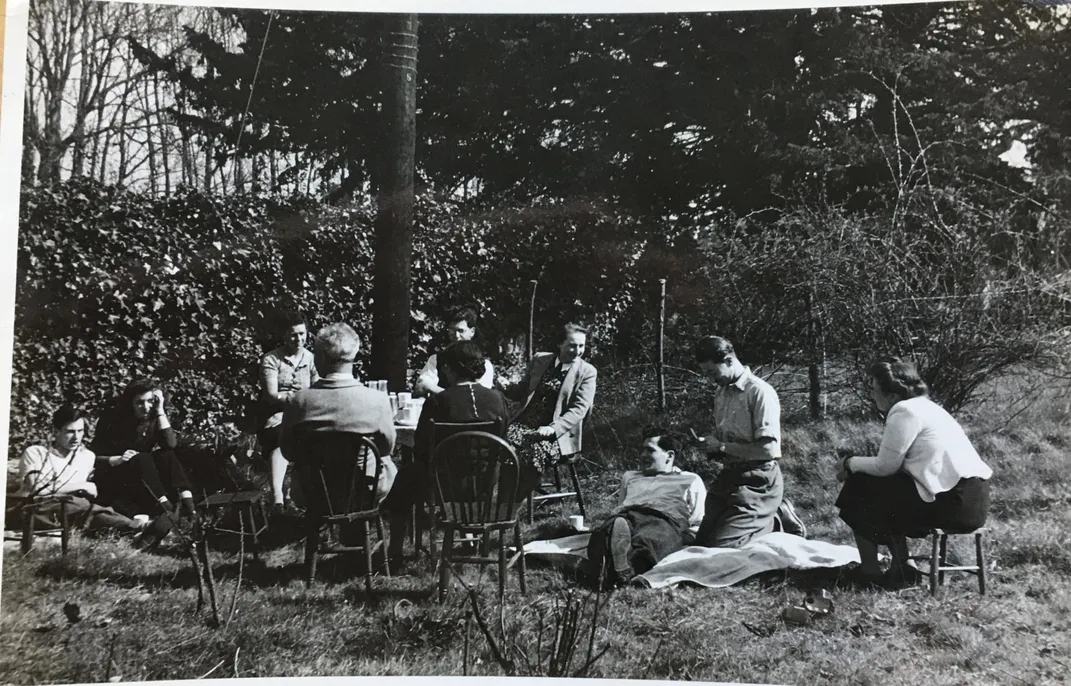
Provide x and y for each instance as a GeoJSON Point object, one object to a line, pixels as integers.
{"type": "Point", "coordinates": [208, 164]}
{"type": "Point", "coordinates": [163, 128]}
{"type": "Point", "coordinates": [394, 220]}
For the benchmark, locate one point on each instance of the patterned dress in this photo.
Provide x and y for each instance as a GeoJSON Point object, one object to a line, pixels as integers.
{"type": "Point", "coordinates": [532, 449]}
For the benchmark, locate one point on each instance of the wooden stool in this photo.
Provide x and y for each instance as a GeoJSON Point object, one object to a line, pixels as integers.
{"type": "Point", "coordinates": [559, 493]}
{"type": "Point", "coordinates": [250, 508]}
{"type": "Point", "coordinates": [27, 508]}
{"type": "Point", "coordinates": [939, 558]}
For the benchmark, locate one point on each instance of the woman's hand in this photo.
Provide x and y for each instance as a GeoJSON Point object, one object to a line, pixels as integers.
{"type": "Point", "coordinates": [128, 455]}
{"type": "Point", "coordinates": [158, 401]}
{"type": "Point", "coordinates": [842, 469]}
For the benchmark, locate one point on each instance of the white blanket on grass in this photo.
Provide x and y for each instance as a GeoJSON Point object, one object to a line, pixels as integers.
{"type": "Point", "coordinates": [713, 567]}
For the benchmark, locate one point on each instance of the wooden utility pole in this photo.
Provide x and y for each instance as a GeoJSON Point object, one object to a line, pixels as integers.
{"type": "Point", "coordinates": [394, 220]}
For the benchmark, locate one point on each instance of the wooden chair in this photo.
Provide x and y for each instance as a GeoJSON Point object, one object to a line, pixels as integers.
{"type": "Point", "coordinates": [475, 476]}
{"type": "Point", "coordinates": [250, 510]}
{"type": "Point", "coordinates": [339, 474]}
{"type": "Point", "coordinates": [237, 509]}
{"type": "Point", "coordinates": [559, 493]}
{"type": "Point", "coordinates": [439, 432]}
{"type": "Point", "coordinates": [939, 558]}
{"type": "Point", "coordinates": [28, 507]}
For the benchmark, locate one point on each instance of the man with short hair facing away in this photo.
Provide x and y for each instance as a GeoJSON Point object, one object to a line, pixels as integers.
{"type": "Point", "coordinates": [64, 468]}
{"type": "Point", "coordinates": [460, 326]}
{"type": "Point", "coordinates": [746, 497]}
{"type": "Point", "coordinates": [658, 509]}
{"type": "Point", "coordinates": [339, 402]}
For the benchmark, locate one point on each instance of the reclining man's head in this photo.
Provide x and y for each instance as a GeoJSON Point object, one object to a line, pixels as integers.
{"type": "Point", "coordinates": [336, 348]}
{"type": "Point", "coordinates": [660, 449]}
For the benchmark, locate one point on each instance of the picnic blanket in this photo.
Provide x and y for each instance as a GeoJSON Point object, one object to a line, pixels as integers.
{"type": "Point", "coordinates": [713, 567]}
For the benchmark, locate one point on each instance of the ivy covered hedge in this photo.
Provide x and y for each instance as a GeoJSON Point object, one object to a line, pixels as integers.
{"type": "Point", "coordinates": [113, 285]}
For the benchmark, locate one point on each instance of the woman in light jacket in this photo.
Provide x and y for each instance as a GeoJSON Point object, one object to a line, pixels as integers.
{"type": "Point", "coordinates": [926, 475]}
{"type": "Point", "coordinates": [558, 391]}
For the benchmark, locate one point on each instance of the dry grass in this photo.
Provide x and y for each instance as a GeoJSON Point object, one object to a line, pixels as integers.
{"type": "Point", "coordinates": [139, 609]}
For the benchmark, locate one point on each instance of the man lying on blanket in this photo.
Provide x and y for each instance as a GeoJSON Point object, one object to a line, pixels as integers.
{"type": "Point", "coordinates": [657, 512]}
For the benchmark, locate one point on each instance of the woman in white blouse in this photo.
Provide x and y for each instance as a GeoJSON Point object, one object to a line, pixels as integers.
{"type": "Point", "coordinates": [926, 475]}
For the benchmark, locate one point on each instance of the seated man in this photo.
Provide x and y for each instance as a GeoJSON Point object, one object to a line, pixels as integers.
{"type": "Point", "coordinates": [460, 326]}
{"type": "Point", "coordinates": [64, 468]}
{"type": "Point", "coordinates": [657, 511]}
{"type": "Point", "coordinates": [339, 402]}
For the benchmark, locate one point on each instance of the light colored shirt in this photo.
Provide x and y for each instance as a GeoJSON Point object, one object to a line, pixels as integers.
{"type": "Point", "coordinates": [922, 439]}
{"type": "Point", "coordinates": [429, 375]}
{"type": "Point", "coordinates": [289, 376]}
{"type": "Point", "coordinates": [747, 411]}
{"type": "Point", "coordinates": [665, 492]}
{"type": "Point", "coordinates": [44, 471]}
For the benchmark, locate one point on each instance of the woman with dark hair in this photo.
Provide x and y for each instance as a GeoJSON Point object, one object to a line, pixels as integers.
{"type": "Point", "coordinates": [283, 371]}
{"type": "Point", "coordinates": [137, 470]}
{"type": "Point", "coordinates": [557, 392]}
{"type": "Point", "coordinates": [463, 399]}
{"type": "Point", "coordinates": [926, 475]}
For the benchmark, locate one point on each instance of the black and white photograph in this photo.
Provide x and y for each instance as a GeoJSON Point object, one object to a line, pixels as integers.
{"type": "Point", "coordinates": [727, 343]}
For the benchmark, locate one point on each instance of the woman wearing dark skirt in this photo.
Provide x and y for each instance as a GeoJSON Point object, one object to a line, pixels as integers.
{"type": "Point", "coordinates": [463, 399]}
{"type": "Point", "coordinates": [558, 391]}
{"type": "Point", "coordinates": [137, 471]}
{"type": "Point", "coordinates": [926, 475]}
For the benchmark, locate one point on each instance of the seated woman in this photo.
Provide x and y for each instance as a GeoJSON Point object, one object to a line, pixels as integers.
{"type": "Point", "coordinates": [926, 475]}
{"type": "Point", "coordinates": [463, 399]}
{"type": "Point", "coordinates": [137, 470]}
{"type": "Point", "coordinates": [557, 390]}
{"type": "Point", "coordinates": [283, 371]}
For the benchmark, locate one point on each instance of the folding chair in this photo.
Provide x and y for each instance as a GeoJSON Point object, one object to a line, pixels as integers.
{"type": "Point", "coordinates": [476, 476]}
{"type": "Point", "coordinates": [559, 493]}
{"type": "Point", "coordinates": [339, 474]}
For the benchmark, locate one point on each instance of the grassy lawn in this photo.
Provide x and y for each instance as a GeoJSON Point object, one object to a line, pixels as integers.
{"type": "Point", "coordinates": [139, 619]}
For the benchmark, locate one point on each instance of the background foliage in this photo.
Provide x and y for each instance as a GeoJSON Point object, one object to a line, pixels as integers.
{"type": "Point", "coordinates": [820, 186]}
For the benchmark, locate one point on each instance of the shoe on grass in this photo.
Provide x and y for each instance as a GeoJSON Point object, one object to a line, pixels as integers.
{"type": "Point", "coordinates": [901, 576]}
{"type": "Point", "coordinates": [855, 577]}
{"type": "Point", "coordinates": [287, 510]}
{"type": "Point", "coordinates": [149, 539]}
{"type": "Point", "coordinates": [790, 521]}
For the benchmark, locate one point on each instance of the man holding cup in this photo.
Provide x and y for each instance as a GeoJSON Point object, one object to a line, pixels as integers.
{"type": "Point", "coordinates": [658, 510]}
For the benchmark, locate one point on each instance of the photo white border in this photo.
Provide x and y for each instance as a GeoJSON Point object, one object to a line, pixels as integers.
{"type": "Point", "coordinates": [14, 74]}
